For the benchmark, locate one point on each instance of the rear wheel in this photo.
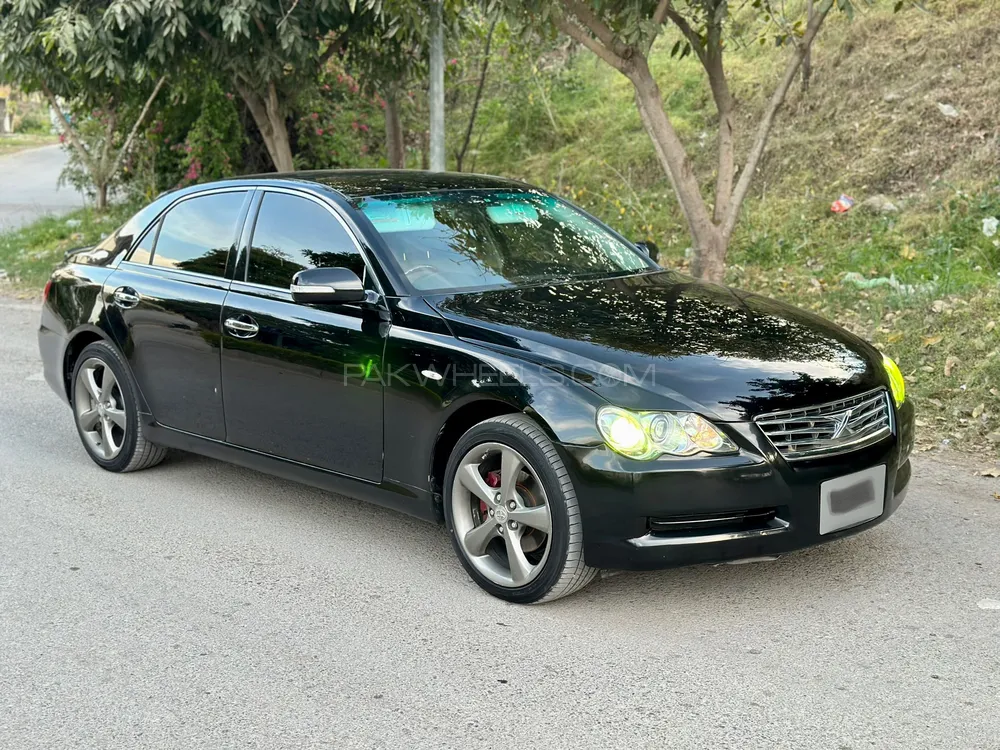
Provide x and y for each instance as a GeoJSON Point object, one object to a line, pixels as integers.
{"type": "Point", "coordinates": [512, 512]}
{"type": "Point", "coordinates": [107, 413]}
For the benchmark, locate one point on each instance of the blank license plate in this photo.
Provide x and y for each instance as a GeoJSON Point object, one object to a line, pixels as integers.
{"type": "Point", "coordinates": [850, 500]}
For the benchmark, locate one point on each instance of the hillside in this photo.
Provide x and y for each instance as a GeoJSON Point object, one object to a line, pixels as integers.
{"type": "Point", "coordinates": [871, 124]}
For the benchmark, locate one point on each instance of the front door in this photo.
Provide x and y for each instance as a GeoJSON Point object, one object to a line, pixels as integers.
{"type": "Point", "coordinates": [294, 376]}
{"type": "Point", "coordinates": [164, 304]}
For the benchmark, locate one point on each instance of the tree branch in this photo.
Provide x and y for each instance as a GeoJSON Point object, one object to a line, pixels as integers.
{"type": "Point", "coordinates": [460, 154]}
{"type": "Point", "coordinates": [135, 127]}
{"type": "Point", "coordinates": [579, 33]}
{"type": "Point", "coordinates": [588, 19]}
{"type": "Point", "coordinates": [68, 130]}
{"type": "Point", "coordinates": [767, 121]}
{"type": "Point", "coordinates": [334, 48]}
{"type": "Point", "coordinates": [660, 14]}
{"type": "Point", "coordinates": [686, 29]}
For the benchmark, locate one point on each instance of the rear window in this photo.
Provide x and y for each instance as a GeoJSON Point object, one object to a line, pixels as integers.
{"type": "Point", "coordinates": [198, 234]}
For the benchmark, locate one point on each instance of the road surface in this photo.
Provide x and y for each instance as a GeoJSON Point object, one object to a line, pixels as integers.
{"type": "Point", "coordinates": [28, 186]}
{"type": "Point", "coordinates": [200, 605]}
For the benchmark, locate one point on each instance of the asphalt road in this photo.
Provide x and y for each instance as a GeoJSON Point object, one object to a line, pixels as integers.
{"type": "Point", "coordinates": [28, 186]}
{"type": "Point", "coordinates": [200, 605]}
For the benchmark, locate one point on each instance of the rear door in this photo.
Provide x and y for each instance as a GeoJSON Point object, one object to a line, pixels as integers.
{"type": "Point", "coordinates": [164, 302]}
{"type": "Point", "coordinates": [298, 379]}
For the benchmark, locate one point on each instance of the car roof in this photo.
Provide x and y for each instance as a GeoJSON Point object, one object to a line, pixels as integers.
{"type": "Point", "coordinates": [364, 183]}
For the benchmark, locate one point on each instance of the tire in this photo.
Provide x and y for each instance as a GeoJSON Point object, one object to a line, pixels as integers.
{"type": "Point", "coordinates": [486, 451]}
{"type": "Point", "coordinates": [107, 420]}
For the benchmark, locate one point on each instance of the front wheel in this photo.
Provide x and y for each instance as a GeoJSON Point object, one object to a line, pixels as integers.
{"type": "Point", "coordinates": [513, 514]}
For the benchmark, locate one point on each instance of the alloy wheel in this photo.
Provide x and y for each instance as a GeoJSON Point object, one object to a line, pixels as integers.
{"type": "Point", "coordinates": [501, 515]}
{"type": "Point", "coordinates": [100, 409]}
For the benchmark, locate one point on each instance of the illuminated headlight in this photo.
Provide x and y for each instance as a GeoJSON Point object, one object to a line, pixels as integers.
{"type": "Point", "coordinates": [896, 382]}
{"type": "Point", "coordinates": [647, 435]}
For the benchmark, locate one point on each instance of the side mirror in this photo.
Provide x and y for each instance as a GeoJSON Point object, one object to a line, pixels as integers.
{"type": "Point", "coordinates": [327, 286]}
{"type": "Point", "coordinates": [650, 249]}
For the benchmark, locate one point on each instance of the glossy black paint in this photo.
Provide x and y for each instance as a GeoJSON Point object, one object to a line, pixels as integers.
{"type": "Point", "coordinates": [366, 398]}
{"type": "Point", "coordinates": [661, 341]}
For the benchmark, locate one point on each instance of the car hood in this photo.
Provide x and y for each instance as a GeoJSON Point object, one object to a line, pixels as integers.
{"type": "Point", "coordinates": [664, 341]}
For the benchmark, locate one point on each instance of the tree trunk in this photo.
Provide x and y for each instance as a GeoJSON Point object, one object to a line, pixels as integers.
{"type": "Point", "coordinates": [101, 196]}
{"type": "Point", "coordinates": [436, 88]}
{"type": "Point", "coordinates": [394, 145]}
{"type": "Point", "coordinates": [269, 116]}
{"type": "Point", "coordinates": [807, 60]}
{"type": "Point", "coordinates": [425, 150]}
{"type": "Point", "coordinates": [709, 261]}
{"type": "Point", "coordinates": [709, 243]}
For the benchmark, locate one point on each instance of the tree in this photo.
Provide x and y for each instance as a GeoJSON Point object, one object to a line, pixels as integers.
{"type": "Point", "coordinates": [94, 134]}
{"type": "Point", "coordinates": [622, 32]}
{"type": "Point", "coordinates": [271, 49]}
{"type": "Point", "coordinates": [484, 66]}
{"type": "Point", "coordinates": [384, 62]}
{"type": "Point", "coordinates": [96, 54]}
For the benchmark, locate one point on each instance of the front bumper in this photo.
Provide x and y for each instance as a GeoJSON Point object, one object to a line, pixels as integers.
{"type": "Point", "coordinates": [630, 508]}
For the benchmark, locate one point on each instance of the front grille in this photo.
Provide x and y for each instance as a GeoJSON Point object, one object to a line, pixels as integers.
{"type": "Point", "coordinates": [829, 429]}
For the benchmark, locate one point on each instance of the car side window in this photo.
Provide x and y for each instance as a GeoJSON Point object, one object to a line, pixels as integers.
{"type": "Point", "coordinates": [198, 234]}
{"type": "Point", "coordinates": [292, 234]}
{"type": "Point", "coordinates": [143, 250]}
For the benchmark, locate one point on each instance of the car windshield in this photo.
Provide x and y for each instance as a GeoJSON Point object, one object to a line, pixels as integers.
{"type": "Point", "coordinates": [478, 239]}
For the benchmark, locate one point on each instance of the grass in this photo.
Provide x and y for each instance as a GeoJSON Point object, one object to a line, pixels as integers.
{"type": "Point", "coordinates": [29, 254]}
{"type": "Point", "coordinates": [11, 144]}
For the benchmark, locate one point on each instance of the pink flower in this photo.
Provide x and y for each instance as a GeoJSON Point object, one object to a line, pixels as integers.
{"type": "Point", "coordinates": [453, 61]}
{"type": "Point", "coordinates": [315, 115]}
{"type": "Point", "coordinates": [319, 131]}
{"type": "Point", "coordinates": [365, 128]}
{"type": "Point", "coordinates": [354, 125]}
{"type": "Point", "coordinates": [229, 96]}
{"type": "Point", "coordinates": [326, 86]}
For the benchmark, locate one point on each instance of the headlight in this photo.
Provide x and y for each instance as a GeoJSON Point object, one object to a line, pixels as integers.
{"type": "Point", "coordinates": [896, 382]}
{"type": "Point", "coordinates": [646, 435]}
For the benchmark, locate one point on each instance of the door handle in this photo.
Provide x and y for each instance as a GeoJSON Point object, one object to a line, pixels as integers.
{"type": "Point", "coordinates": [126, 297]}
{"type": "Point", "coordinates": [242, 329]}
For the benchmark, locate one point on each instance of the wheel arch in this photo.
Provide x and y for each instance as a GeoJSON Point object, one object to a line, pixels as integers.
{"type": "Point", "coordinates": [79, 340]}
{"type": "Point", "coordinates": [458, 422]}
{"type": "Point", "coordinates": [470, 413]}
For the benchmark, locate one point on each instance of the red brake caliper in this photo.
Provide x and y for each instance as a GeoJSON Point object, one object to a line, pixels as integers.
{"type": "Point", "coordinates": [492, 480]}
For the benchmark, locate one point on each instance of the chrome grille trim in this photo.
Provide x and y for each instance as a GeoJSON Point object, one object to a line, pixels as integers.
{"type": "Point", "coordinates": [829, 429]}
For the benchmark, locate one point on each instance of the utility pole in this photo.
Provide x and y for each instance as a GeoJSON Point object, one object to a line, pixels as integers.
{"type": "Point", "coordinates": [436, 87]}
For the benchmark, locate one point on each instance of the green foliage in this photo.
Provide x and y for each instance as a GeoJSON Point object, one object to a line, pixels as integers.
{"type": "Point", "coordinates": [91, 126]}
{"type": "Point", "coordinates": [213, 144]}
{"type": "Point", "coordinates": [339, 125]}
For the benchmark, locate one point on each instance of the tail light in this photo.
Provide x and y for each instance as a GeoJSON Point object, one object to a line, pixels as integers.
{"type": "Point", "coordinates": [48, 288]}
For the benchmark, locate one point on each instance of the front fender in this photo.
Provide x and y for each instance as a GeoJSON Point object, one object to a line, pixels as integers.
{"type": "Point", "coordinates": [430, 376]}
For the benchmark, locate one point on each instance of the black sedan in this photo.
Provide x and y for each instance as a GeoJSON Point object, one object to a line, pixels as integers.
{"type": "Point", "coordinates": [475, 351]}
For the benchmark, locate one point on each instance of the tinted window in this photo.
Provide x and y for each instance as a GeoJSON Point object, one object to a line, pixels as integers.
{"type": "Point", "coordinates": [292, 234]}
{"type": "Point", "coordinates": [198, 234]}
{"type": "Point", "coordinates": [143, 250]}
{"type": "Point", "coordinates": [481, 238]}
